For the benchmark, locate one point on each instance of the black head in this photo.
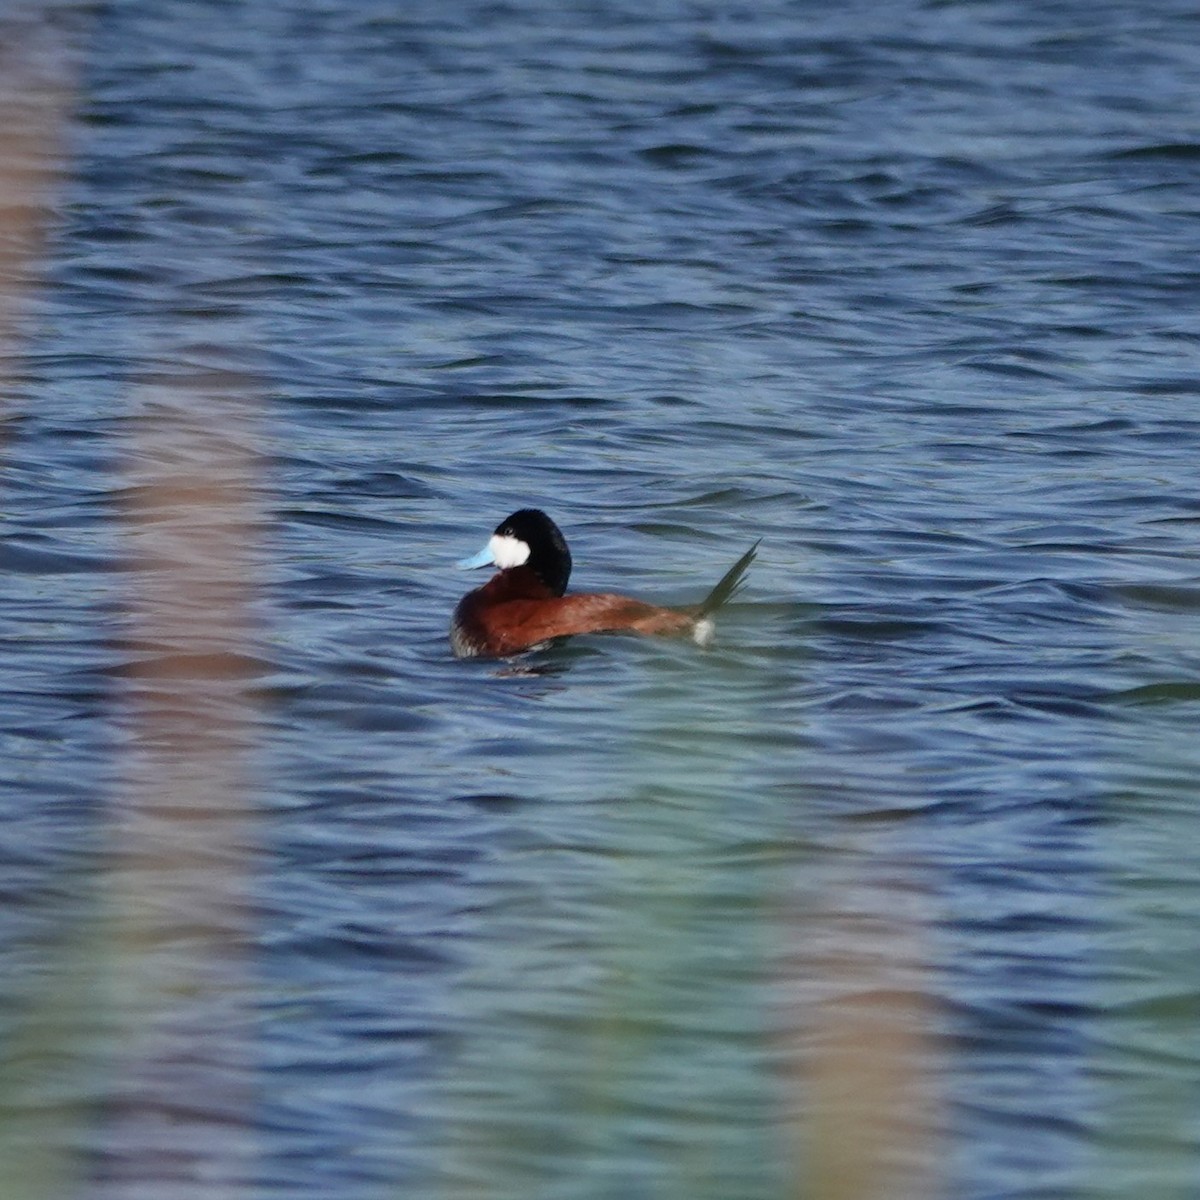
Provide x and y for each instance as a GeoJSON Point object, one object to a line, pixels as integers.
{"type": "Point", "coordinates": [529, 538]}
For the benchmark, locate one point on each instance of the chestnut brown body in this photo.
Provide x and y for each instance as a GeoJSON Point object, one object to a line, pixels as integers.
{"type": "Point", "coordinates": [514, 611]}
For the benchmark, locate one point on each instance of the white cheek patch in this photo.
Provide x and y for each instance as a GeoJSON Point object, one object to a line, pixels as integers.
{"type": "Point", "coordinates": [508, 551]}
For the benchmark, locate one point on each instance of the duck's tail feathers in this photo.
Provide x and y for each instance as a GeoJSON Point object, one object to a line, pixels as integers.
{"type": "Point", "coordinates": [731, 583]}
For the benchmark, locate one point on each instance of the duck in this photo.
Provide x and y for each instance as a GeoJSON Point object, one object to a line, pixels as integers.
{"type": "Point", "coordinates": [524, 606]}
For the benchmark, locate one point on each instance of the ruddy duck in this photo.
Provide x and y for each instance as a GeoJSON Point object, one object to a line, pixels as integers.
{"type": "Point", "coordinates": [523, 605]}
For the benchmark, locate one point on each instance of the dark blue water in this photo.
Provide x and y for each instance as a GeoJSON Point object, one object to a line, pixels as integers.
{"type": "Point", "coordinates": [890, 893]}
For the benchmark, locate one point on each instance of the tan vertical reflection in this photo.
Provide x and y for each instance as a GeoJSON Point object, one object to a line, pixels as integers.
{"type": "Point", "coordinates": [38, 1106]}
{"type": "Point", "coordinates": [183, 837]}
{"type": "Point", "coordinates": [35, 79]}
{"type": "Point", "coordinates": [862, 1056]}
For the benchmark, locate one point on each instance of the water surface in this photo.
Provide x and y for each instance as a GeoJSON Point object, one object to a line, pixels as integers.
{"type": "Point", "coordinates": [906, 291]}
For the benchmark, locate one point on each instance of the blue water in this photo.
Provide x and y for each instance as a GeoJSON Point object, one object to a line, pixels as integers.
{"type": "Point", "coordinates": [908, 291]}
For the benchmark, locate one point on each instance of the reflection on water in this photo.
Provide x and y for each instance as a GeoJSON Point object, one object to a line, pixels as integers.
{"type": "Point", "coordinates": [885, 894]}
{"type": "Point", "coordinates": [177, 883]}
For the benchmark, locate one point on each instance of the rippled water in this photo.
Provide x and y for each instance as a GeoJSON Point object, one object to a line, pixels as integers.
{"type": "Point", "coordinates": [890, 893]}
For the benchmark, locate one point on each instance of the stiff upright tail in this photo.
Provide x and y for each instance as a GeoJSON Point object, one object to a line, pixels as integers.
{"type": "Point", "coordinates": [731, 583]}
